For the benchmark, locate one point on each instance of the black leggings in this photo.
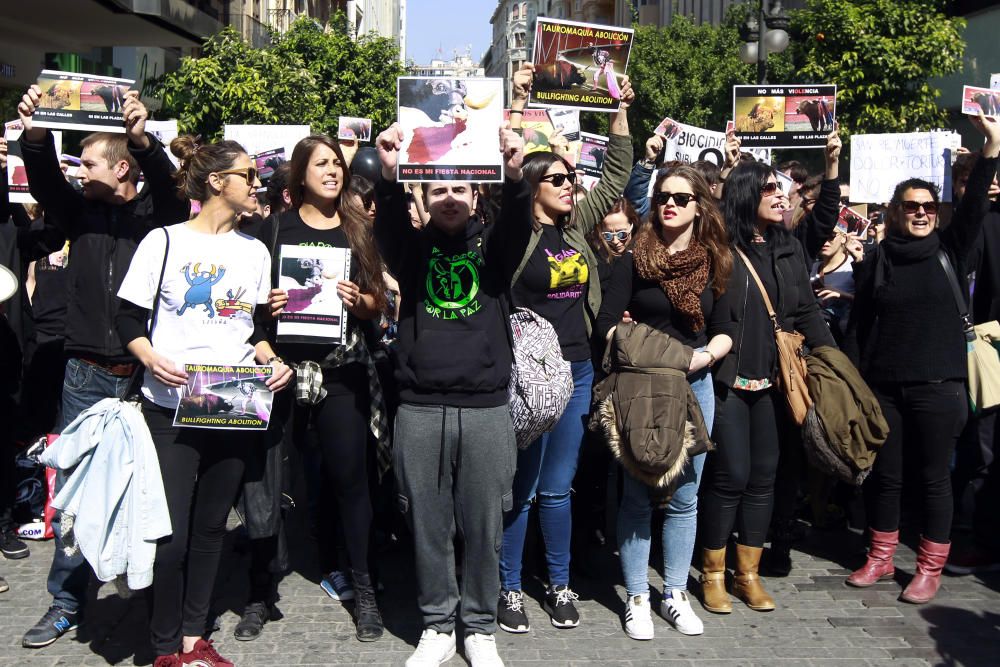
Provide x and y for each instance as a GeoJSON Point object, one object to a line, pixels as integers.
{"type": "Point", "coordinates": [739, 480]}
{"type": "Point", "coordinates": [925, 421]}
{"type": "Point", "coordinates": [201, 470]}
{"type": "Point", "coordinates": [341, 423]}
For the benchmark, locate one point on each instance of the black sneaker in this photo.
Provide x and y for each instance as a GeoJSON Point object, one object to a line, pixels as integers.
{"type": "Point", "coordinates": [510, 612]}
{"type": "Point", "coordinates": [251, 624]}
{"type": "Point", "coordinates": [11, 546]}
{"type": "Point", "coordinates": [560, 608]}
{"type": "Point", "coordinates": [54, 624]}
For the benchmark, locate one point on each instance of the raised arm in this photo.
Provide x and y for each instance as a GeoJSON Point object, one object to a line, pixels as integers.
{"type": "Point", "coordinates": [825, 213]}
{"type": "Point", "coordinates": [960, 235]}
{"type": "Point", "coordinates": [47, 183]}
{"type": "Point", "coordinates": [157, 169]}
{"type": "Point", "coordinates": [509, 237]}
{"type": "Point", "coordinates": [395, 235]}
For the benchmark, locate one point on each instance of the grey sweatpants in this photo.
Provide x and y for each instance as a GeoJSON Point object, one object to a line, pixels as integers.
{"type": "Point", "coordinates": [454, 468]}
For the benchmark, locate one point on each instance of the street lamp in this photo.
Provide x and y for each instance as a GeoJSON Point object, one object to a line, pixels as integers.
{"type": "Point", "coordinates": [762, 34]}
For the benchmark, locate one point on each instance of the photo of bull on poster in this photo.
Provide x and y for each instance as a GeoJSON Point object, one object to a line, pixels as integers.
{"type": "Point", "coordinates": [579, 65]}
{"type": "Point", "coordinates": [784, 116]}
{"type": "Point", "coordinates": [451, 129]}
{"type": "Point", "coordinates": [71, 101]}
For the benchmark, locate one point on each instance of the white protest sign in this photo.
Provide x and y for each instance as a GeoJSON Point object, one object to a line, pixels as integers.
{"type": "Point", "coordinates": [995, 81]}
{"type": "Point", "coordinates": [259, 138]}
{"type": "Point", "coordinates": [690, 144]}
{"type": "Point", "coordinates": [165, 131]}
{"type": "Point", "coordinates": [880, 161]}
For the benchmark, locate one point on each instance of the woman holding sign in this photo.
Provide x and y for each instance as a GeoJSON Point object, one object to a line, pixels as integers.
{"type": "Point", "coordinates": [750, 418]}
{"type": "Point", "coordinates": [201, 468]}
{"type": "Point", "coordinates": [333, 387]}
{"type": "Point", "coordinates": [558, 279]}
{"type": "Point", "coordinates": [913, 354]}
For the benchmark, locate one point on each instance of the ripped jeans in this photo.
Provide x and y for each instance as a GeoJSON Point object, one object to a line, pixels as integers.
{"type": "Point", "coordinates": [546, 469]}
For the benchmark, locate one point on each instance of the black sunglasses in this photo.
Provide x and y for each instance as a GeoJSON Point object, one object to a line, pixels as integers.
{"type": "Point", "coordinates": [681, 199]}
{"type": "Point", "coordinates": [249, 173]}
{"type": "Point", "coordinates": [769, 189]}
{"type": "Point", "coordinates": [557, 180]}
{"type": "Point", "coordinates": [910, 206]}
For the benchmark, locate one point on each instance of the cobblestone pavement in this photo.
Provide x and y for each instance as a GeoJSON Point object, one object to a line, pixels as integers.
{"type": "Point", "coordinates": [819, 621]}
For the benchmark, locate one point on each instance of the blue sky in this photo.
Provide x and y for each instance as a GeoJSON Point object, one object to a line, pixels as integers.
{"type": "Point", "coordinates": [448, 25]}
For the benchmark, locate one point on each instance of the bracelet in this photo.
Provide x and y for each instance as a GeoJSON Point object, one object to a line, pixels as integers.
{"type": "Point", "coordinates": [513, 111]}
{"type": "Point", "coordinates": [273, 359]}
{"type": "Point", "coordinates": [711, 357]}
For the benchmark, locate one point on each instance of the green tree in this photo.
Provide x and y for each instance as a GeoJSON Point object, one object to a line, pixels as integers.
{"type": "Point", "coordinates": [311, 75]}
{"type": "Point", "coordinates": [881, 54]}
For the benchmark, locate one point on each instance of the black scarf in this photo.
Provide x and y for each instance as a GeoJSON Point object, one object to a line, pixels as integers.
{"type": "Point", "coordinates": [898, 249]}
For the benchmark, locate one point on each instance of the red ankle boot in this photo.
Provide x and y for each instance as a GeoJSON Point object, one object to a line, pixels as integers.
{"type": "Point", "coordinates": [931, 557]}
{"type": "Point", "coordinates": [881, 549]}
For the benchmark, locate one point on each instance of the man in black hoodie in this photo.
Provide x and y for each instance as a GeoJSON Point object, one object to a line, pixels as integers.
{"type": "Point", "coordinates": [454, 443]}
{"type": "Point", "coordinates": [104, 225]}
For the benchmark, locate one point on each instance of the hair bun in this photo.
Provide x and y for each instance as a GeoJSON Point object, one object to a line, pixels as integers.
{"type": "Point", "coordinates": [184, 147]}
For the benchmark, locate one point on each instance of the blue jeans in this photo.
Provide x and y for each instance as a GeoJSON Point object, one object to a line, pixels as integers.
{"type": "Point", "coordinates": [84, 385]}
{"type": "Point", "coordinates": [547, 468]}
{"type": "Point", "coordinates": [680, 521]}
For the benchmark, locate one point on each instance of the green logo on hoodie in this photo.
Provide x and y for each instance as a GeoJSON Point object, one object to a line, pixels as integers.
{"type": "Point", "coordinates": [452, 284]}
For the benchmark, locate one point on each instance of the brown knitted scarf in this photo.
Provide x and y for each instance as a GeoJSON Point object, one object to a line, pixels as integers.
{"type": "Point", "coordinates": [682, 275]}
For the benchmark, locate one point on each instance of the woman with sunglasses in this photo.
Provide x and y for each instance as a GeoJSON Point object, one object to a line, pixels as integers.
{"type": "Point", "coordinates": [333, 391]}
{"type": "Point", "coordinates": [201, 468]}
{"type": "Point", "coordinates": [913, 354]}
{"type": "Point", "coordinates": [678, 268]}
{"type": "Point", "coordinates": [558, 279]}
{"type": "Point", "coordinates": [750, 418]}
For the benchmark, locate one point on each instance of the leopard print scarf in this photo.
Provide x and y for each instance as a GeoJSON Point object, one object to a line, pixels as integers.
{"type": "Point", "coordinates": [682, 275]}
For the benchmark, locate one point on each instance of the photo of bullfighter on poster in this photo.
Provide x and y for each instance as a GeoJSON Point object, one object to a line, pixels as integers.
{"type": "Point", "coordinates": [315, 313]}
{"type": "Point", "coordinates": [88, 102]}
{"type": "Point", "coordinates": [579, 65]}
{"type": "Point", "coordinates": [451, 129]}
{"type": "Point", "coordinates": [784, 116]}
{"type": "Point", "coordinates": [227, 397]}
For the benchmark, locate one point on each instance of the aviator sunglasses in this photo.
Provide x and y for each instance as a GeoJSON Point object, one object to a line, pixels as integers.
{"type": "Point", "coordinates": [910, 206]}
{"type": "Point", "coordinates": [558, 179]}
{"type": "Point", "coordinates": [249, 173]}
{"type": "Point", "coordinates": [681, 199]}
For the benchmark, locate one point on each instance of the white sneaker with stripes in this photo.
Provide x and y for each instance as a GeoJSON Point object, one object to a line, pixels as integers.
{"type": "Point", "coordinates": [638, 619]}
{"type": "Point", "coordinates": [676, 608]}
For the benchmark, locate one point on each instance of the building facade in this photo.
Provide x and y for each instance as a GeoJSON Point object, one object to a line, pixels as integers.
{"type": "Point", "coordinates": [461, 65]}
{"type": "Point", "coordinates": [662, 12]}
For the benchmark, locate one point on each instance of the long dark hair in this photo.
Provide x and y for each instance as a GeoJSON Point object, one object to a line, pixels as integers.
{"type": "Point", "coordinates": [709, 228]}
{"type": "Point", "coordinates": [353, 219]}
{"type": "Point", "coordinates": [740, 200]}
{"type": "Point", "coordinates": [534, 167]}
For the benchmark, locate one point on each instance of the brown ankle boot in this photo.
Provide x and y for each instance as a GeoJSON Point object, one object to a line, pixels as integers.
{"type": "Point", "coordinates": [931, 557]}
{"type": "Point", "coordinates": [713, 581]}
{"type": "Point", "coordinates": [746, 583]}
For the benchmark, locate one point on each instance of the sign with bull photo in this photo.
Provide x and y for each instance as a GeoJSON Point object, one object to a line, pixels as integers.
{"type": "Point", "coordinates": [228, 397]}
{"type": "Point", "coordinates": [451, 129]}
{"type": "Point", "coordinates": [784, 116]}
{"type": "Point", "coordinates": [71, 101]}
{"type": "Point", "coordinates": [315, 312]}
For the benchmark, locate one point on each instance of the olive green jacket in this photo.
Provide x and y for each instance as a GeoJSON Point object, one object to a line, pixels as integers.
{"type": "Point", "coordinates": [589, 213]}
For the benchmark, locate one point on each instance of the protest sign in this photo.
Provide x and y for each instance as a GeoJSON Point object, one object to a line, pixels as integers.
{"type": "Point", "coordinates": [226, 397]}
{"type": "Point", "coordinates": [975, 100]}
{"type": "Point", "coordinates": [995, 81]}
{"type": "Point", "coordinates": [71, 101]}
{"type": "Point", "coordinates": [538, 131]}
{"type": "Point", "coordinates": [880, 161]}
{"type": "Point", "coordinates": [354, 128]}
{"type": "Point", "coordinates": [267, 162]}
{"type": "Point", "coordinates": [590, 162]}
{"type": "Point", "coordinates": [314, 312]}
{"type": "Point", "coordinates": [784, 116]}
{"type": "Point", "coordinates": [260, 138]}
{"type": "Point", "coordinates": [17, 176]}
{"type": "Point", "coordinates": [687, 143]}
{"type": "Point", "coordinates": [579, 65]}
{"type": "Point", "coordinates": [165, 131]}
{"type": "Point", "coordinates": [566, 121]}
{"type": "Point", "coordinates": [450, 129]}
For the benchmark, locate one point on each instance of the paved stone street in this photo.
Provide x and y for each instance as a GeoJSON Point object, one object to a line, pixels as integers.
{"type": "Point", "coordinates": [819, 621]}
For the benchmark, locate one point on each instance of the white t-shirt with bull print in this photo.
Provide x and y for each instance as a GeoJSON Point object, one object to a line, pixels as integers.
{"type": "Point", "coordinates": [211, 285]}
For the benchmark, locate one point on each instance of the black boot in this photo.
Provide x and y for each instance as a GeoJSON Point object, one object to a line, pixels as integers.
{"type": "Point", "coordinates": [367, 617]}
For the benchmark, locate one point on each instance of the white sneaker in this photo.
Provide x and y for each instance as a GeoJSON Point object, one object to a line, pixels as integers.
{"type": "Point", "coordinates": [676, 608]}
{"type": "Point", "coordinates": [481, 650]}
{"type": "Point", "coordinates": [338, 586]}
{"type": "Point", "coordinates": [433, 649]}
{"type": "Point", "coordinates": [638, 619]}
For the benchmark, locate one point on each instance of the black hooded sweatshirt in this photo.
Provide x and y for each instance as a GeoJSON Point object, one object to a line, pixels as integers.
{"type": "Point", "coordinates": [454, 339]}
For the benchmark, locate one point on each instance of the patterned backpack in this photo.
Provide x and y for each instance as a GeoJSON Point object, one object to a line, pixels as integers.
{"type": "Point", "coordinates": [541, 381]}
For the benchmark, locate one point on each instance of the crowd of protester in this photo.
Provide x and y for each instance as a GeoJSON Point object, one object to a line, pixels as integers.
{"type": "Point", "coordinates": [412, 405]}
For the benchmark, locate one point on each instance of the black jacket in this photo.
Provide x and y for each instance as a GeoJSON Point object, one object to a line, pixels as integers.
{"type": "Point", "coordinates": [796, 305]}
{"type": "Point", "coordinates": [817, 227]}
{"type": "Point", "coordinates": [986, 263]}
{"type": "Point", "coordinates": [103, 238]}
{"type": "Point", "coordinates": [454, 340]}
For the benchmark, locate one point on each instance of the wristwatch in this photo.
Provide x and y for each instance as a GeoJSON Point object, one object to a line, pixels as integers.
{"type": "Point", "coordinates": [274, 359]}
